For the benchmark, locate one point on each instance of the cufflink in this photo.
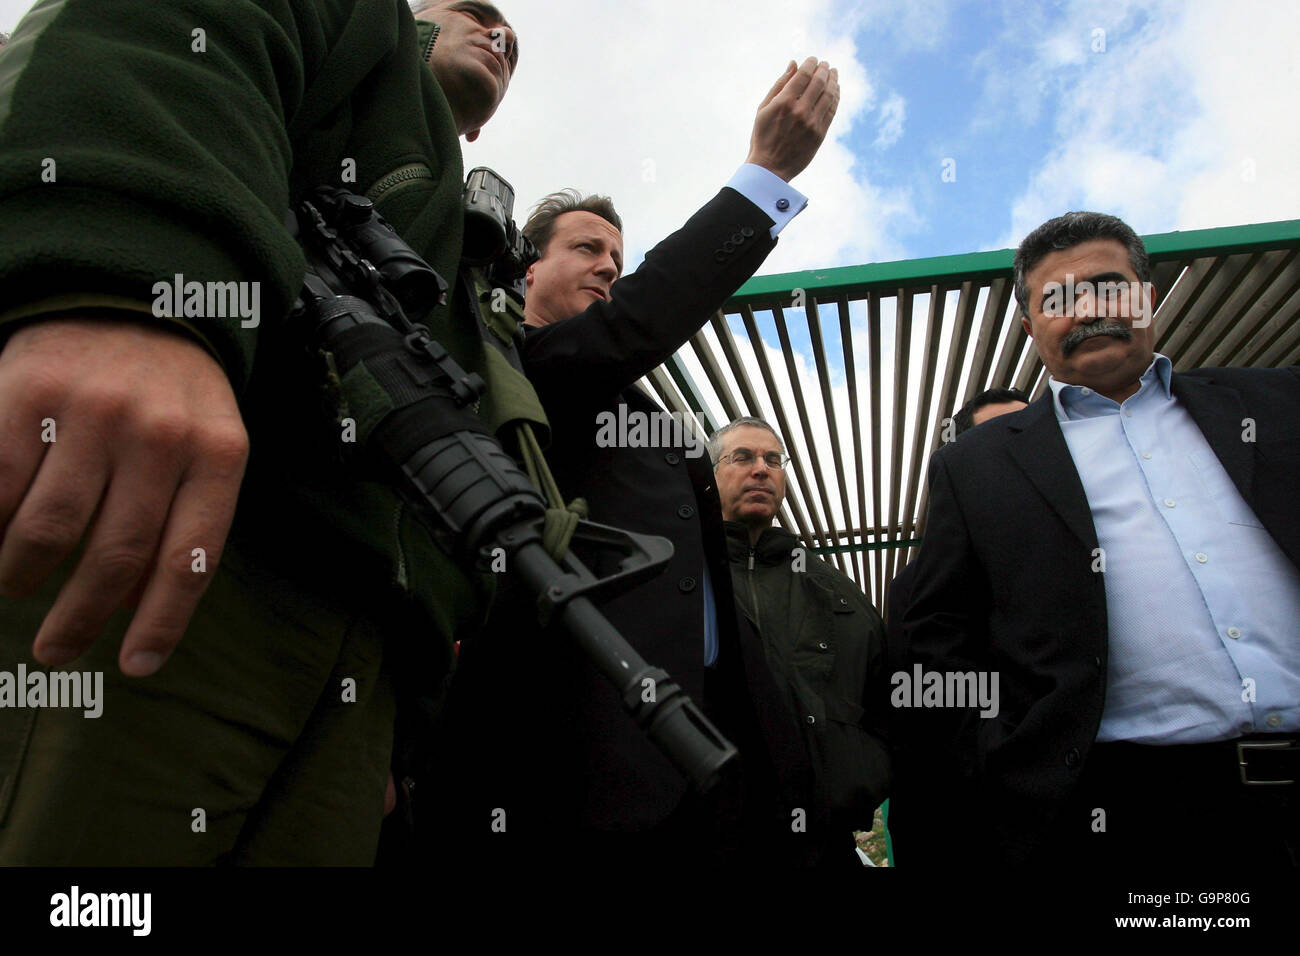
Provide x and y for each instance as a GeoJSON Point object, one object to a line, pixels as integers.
{"type": "Point", "coordinates": [783, 204]}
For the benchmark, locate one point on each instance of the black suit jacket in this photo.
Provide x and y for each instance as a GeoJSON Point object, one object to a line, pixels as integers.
{"type": "Point", "coordinates": [1004, 583]}
{"type": "Point", "coordinates": [565, 754]}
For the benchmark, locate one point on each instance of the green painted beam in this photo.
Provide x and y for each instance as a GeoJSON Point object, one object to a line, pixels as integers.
{"type": "Point", "coordinates": [854, 281]}
{"type": "Point", "coordinates": [878, 546]}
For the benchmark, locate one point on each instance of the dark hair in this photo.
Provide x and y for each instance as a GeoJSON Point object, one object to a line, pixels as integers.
{"type": "Point", "coordinates": [965, 418]}
{"type": "Point", "coordinates": [541, 222]}
{"type": "Point", "coordinates": [1068, 231]}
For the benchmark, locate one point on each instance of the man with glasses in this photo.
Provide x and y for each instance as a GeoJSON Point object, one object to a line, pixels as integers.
{"type": "Point", "coordinates": [822, 638]}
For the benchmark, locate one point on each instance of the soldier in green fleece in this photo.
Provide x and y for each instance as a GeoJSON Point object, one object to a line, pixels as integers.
{"type": "Point", "coordinates": [173, 512]}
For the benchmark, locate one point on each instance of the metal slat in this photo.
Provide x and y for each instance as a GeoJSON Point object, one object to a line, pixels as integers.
{"type": "Point", "coordinates": [823, 377]}
{"type": "Point", "coordinates": [713, 372]}
{"type": "Point", "coordinates": [902, 361]}
{"type": "Point", "coordinates": [1249, 305]}
{"type": "Point", "coordinates": [850, 377]}
{"type": "Point", "coordinates": [995, 309]}
{"type": "Point", "coordinates": [873, 362]}
{"type": "Point", "coordinates": [804, 496]}
{"type": "Point", "coordinates": [1288, 333]}
{"type": "Point", "coordinates": [787, 351]}
{"type": "Point", "coordinates": [1269, 316]}
{"type": "Point", "coordinates": [924, 418]}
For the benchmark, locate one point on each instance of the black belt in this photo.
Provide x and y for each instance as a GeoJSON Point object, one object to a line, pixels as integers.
{"type": "Point", "coordinates": [1256, 761]}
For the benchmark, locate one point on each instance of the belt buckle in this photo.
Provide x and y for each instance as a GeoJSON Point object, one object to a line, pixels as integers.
{"type": "Point", "coordinates": [1243, 745]}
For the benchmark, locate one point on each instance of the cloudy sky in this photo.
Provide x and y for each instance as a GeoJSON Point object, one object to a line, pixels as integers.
{"type": "Point", "coordinates": [1174, 115]}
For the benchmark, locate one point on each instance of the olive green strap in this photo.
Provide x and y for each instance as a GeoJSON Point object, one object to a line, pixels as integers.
{"type": "Point", "coordinates": [561, 520]}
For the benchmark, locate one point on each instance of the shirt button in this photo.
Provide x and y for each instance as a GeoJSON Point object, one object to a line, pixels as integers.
{"type": "Point", "coordinates": [1234, 632]}
{"type": "Point", "coordinates": [1169, 502]}
{"type": "Point", "coordinates": [1146, 455]}
{"type": "Point", "coordinates": [685, 511]}
{"type": "Point", "coordinates": [783, 204]}
{"type": "Point", "coordinates": [823, 645]}
{"type": "Point", "coordinates": [686, 585]}
{"type": "Point", "coordinates": [1201, 557]}
{"type": "Point", "coordinates": [1273, 720]}
{"type": "Point", "coordinates": [672, 458]}
{"type": "Point", "coordinates": [810, 718]}
{"type": "Point", "coordinates": [1085, 391]}
{"type": "Point", "coordinates": [1072, 757]}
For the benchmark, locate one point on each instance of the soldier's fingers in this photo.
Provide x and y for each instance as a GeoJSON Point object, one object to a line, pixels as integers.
{"type": "Point", "coordinates": [52, 517]}
{"type": "Point", "coordinates": [119, 551]}
{"type": "Point", "coordinates": [802, 77]}
{"type": "Point", "coordinates": [780, 83]}
{"type": "Point", "coordinates": [187, 557]}
{"type": "Point", "coordinates": [21, 447]}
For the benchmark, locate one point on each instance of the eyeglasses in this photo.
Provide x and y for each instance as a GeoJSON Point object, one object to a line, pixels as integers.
{"type": "Point", "coordinates": [744, 457]}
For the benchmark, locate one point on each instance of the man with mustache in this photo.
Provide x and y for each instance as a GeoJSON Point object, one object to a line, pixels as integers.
{"type": "Point", "coordinates": [1123, 554]}
{"type": "Point", "coordinates": [821, 637]}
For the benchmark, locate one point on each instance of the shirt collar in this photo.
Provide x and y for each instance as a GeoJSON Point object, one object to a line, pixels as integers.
{"type": "Point", "coordinates": [1066, 396]}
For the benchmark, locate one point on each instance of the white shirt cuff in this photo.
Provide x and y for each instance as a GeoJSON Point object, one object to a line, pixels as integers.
{"type": "Point", "coordinates": [770, 193]}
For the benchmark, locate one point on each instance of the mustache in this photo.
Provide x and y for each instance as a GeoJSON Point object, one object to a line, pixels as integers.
{"type": "Point", "coordinates": [1081, 333]}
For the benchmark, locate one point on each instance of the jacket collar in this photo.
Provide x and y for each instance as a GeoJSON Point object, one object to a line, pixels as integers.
{"type": "Point", "coordinates": [773, 547]}
{"type": "Point", "coordinates": [1038, 447]}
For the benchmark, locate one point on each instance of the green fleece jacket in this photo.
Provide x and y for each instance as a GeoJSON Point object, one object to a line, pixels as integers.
{"type": "Point", "coordinates": [143, 139]}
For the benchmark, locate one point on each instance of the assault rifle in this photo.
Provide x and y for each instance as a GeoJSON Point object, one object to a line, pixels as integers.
{"type": "Point", "coordinates": [362, 283]}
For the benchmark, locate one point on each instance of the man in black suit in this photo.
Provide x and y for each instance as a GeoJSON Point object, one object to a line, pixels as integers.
{"type": "Point", "coordinates": [532, 729]}
{"type": "Point", "coordinates": [1118, 562]}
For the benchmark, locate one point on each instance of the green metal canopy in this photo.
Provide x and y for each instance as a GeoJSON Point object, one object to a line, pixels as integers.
{"type": "Point", "coordinates": [858, 367]}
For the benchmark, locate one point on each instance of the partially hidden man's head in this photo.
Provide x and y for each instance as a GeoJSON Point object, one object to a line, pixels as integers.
{"type": "Point", "coordinates": [580, 243]}
{"type": "Point", "coordinates": [749, 463]}
{"type": "Point", "coordinates": [1083, 283]}
{"type": "Point", "coordinates": [989, 404]}
{"type": "Point", "coordinates": [474, 58]}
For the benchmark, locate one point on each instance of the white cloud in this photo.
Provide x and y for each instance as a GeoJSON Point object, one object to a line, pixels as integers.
{"type": "Point", "coordinates": [1186, 121]}
{"type": "Point", "coordinates": [655, 108]}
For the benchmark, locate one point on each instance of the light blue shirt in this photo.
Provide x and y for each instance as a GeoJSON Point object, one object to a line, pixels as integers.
{"type": "Point", "coordinates": [770, 193]}
{"type": "Point", "coordinates": [1203, 607]}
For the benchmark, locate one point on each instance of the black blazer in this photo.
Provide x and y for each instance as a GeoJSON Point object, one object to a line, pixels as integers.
{"type": "Point", "coordinates": [1004, 582]}
{"type": "Point", "coordinates": [565, 754]}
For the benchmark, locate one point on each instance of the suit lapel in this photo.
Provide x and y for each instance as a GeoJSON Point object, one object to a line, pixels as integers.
{"type": "Point", "coordinates": [1218, 412]}
{"type": "Point", "coordinates": [1040, 451]}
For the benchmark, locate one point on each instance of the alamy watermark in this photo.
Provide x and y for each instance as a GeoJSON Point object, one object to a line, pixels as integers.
{"type": "Point", "coordinates": [208, 300]}
{"type": "Point", "coordinates": [923, 688]}
{"type": "Point", "coordinates": [75, 908]}
{"type": "Point", "coordinates": [1089, 300]}
{"type": "Point", "coordinates": [40, 688]}
{"type": "Point", "coordinates": [648, 430]}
